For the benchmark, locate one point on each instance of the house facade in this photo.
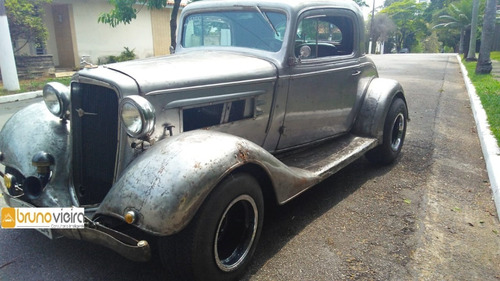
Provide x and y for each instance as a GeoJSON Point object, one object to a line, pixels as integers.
{"type": "Point", "coordinates": [75, 33]}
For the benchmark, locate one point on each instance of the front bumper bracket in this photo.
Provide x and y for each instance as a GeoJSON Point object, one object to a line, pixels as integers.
{"type": "Point", "coordinates": [136, 250]}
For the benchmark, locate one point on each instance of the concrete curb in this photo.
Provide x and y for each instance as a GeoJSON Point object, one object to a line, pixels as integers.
{"type": "Point", "coordinates": [489, 145]}
{"type": "Point", "coordinates": [19, 97]}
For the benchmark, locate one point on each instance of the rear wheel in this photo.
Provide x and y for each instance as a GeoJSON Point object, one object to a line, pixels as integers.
{"type": "Point", "coordinates": [220, 241]}
{"type": "Point", "coordinates": [394, 134]}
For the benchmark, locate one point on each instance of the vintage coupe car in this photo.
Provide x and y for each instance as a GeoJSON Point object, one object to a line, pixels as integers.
{"type": "Point", "coordinates": [261, 100]}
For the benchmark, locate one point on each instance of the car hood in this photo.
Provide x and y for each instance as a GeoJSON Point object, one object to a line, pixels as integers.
{"type": "Point", "coordinates": [194, 69]}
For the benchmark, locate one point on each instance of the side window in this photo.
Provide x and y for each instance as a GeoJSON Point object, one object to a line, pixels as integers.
{"type": "Point", "coordinates": [215, 114]}
{"type": "Point", "coordinates": [325, 36]}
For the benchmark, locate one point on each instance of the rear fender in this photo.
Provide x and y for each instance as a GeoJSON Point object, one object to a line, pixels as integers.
{"type": "Point", "coordinates": [167, 184]}
{"type": "Point", "coordinates": [378, 99]}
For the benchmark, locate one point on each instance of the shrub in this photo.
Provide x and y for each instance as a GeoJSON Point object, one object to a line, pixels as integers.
{"type": "Point", "coordinates": [124, 56]}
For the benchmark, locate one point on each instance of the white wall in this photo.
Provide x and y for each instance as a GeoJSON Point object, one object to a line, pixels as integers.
{"type": "Point", "coordinates": [51, 40]}
{"type": "Point", "coordinates": [98, 40]}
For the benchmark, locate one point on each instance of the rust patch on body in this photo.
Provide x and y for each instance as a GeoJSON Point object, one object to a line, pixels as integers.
{"type": "Point", "coordinates": [243, 153]}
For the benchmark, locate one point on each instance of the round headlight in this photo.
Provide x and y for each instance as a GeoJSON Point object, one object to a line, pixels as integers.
{"type": "Point", "coordinates": [138, 116]}
{"type": "Point", "coordinates": [56, 97]}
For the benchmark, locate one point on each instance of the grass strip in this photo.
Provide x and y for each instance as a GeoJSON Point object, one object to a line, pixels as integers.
{"type": "Point", "coordinates": [30, 85]}
{"type": "Point", "coordinates": [488, 90]}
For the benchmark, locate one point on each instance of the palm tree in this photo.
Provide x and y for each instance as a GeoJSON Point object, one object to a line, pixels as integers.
{"type": "Point", "coordinates": [484, 62]}
{"type": "Point", "coordinates": [471, 55]}
{"type": "Point", "coordinates": [458, 17]}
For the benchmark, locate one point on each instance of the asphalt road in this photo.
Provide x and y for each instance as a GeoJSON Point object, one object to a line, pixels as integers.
{"type": "Point", "coordinates": [430, 216]}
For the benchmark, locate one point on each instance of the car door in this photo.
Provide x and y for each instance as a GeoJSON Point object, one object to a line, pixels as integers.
{"type": "Point", "coordinates": [323, 84]}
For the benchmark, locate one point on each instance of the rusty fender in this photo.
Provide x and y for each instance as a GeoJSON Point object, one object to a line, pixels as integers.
{"type": "Point", "coordinates": [29, 131]}
{"type": "Point", "coordinates": [378, 100]}
{"type": "Point", "coordinates": [167, 184]}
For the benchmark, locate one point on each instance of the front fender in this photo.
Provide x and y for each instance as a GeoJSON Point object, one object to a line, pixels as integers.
{"type": "Point", "coordinates": [167, 183]}
{"type": "Point", "coordinates": [378, 99]}
{"type": "Point", "coordinates": [29, 131]}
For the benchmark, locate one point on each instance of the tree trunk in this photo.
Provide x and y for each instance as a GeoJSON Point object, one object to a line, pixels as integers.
{"type": "Point", "coordinates": [471, 54]}
{"type": "Point", "coordinates": [465, 43]}
{"type": "Point", "coordinates": [484, 62]}
{"type": "Point", "coordinates": [461, 43]}
{"type": "Point", "coordinates": [173, 25]}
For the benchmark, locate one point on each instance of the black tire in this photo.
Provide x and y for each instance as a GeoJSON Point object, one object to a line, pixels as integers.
{"type": "Point", "coordinates": [394, 135]}
{"type": "Point", "coordinates": [220, 241]}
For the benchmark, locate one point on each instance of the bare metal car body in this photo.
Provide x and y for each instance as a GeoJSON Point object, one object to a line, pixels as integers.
{"type": "Point", "coordinates": [289, 111]}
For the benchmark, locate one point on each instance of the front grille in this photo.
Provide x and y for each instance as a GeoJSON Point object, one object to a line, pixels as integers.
{"type": "Point", "coordinates": [94, 129]}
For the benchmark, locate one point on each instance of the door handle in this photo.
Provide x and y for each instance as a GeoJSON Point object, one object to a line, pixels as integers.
{"type": "Point", "coordinates": [356, 72]}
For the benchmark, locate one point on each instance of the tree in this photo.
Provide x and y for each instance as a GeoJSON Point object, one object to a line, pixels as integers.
{"type": "Point", "coordinates": [407, 15]}
{"type": "Point", "coordinates": [26, 23]}
{"type": "Point", "coordinates": [471, 56]}
{"type": "Point", "coordinates": [173, 25]}
{"type": "Point", "coordinates": [434, 8]}
{"type": "Point", "coordinates": [431, 44]}
{"type": "Point", "coordinates": [458, 17]}
{"type": "Point", "coordinates": [124, 12]}
{"type": "Point", "coordinates": [361, 3]}
{"type": "Point", "coordinates": [382, 27]}
{"type": "Point", "coordinates": [484, 62]}
{"type": "Point", "coordinates": [387, 3]}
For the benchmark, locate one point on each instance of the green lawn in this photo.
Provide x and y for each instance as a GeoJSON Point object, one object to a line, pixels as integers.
{"type": "Point", "coordinates": [30, 85]}
{"type": "Point", "coordinates": [495, 56]}
{"type": "Point", "coordinates": [488, 90]}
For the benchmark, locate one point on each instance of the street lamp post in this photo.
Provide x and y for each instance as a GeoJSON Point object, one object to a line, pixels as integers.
{"type": "Point", "coordinates": [370, 44]}
{"type": "Point", "coordinates": [7, 61]}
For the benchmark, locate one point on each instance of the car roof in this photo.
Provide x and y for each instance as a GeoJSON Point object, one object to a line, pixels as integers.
{"type": "Point", "coordinates": [293, 6]}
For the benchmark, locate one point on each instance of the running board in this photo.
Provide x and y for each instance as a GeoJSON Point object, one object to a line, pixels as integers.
{"type": "Point", "coordinates": [329, 157]}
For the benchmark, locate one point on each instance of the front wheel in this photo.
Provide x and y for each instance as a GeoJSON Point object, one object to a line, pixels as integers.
{"type": "Point", "coordinates": [220, 241]}
{"type": "Point", "coordinates": [394, 134]}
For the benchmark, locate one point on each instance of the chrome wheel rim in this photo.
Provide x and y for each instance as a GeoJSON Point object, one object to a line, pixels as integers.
{"type": "Point", "coordinates": [398, 129]}
{"type": "Point", "coordinates": [235, 233]}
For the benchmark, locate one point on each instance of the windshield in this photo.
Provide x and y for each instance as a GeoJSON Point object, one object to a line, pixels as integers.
{"type": "Point", "coordinates": [249, 29]}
